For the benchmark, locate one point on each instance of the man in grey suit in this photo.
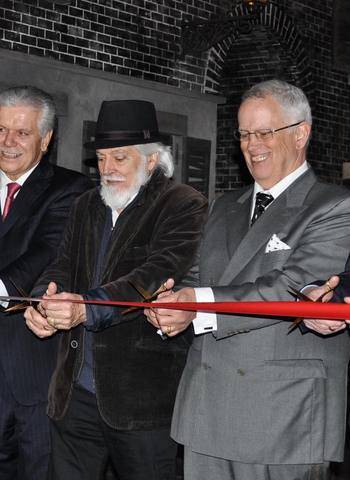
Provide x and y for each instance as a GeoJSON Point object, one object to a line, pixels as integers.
{"type": "Point", "coordinates": [255, 401]}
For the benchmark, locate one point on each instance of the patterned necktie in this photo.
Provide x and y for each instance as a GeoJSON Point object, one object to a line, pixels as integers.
{"type": "Point", "coordinates": [262, 200]}
{"type": "Point", "coordinates": [12, 189]}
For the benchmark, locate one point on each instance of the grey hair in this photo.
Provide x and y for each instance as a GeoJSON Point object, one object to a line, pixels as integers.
{"type": "Point", "coordinates": [32, 97]}
{"type": "Point", "coordinates": [292, 99]}
{"type": "Point", "coordinates": [165, 161]}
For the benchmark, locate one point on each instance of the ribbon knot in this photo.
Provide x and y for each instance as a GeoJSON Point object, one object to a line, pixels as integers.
{"type": "Point", "coordinates": [262, 200]}
{"type": "Point", "coordinates": [12, 189]}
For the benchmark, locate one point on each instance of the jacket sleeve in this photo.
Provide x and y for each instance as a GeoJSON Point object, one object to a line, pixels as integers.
{"type": "Point", "coordinates": [324, 242]}
{"type": "Point", "coordinates": [171, 253]}
{"type": "Point", "coordinates": [343, 289]}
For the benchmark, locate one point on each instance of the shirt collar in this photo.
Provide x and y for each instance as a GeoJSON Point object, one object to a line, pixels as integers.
{"type": "Point", "coordinates": [4, 179]}
{"type": "Point", "coordinates": [283, 184]}
{"type": "Point", "coordinates": [116, 214]}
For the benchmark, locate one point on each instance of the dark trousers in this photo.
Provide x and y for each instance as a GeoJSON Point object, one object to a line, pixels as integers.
{"type": "Point", "coordinates": [24, 438]}
{"type": "Point", "coordinates": [82, 444]}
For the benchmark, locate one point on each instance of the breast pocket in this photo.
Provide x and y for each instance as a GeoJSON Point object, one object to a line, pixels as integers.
{"type": "Point", "coordinates": [275, 260]}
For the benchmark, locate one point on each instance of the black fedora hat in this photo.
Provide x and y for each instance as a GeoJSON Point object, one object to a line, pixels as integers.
{"type": "Point", "coordinates": [125, 122]}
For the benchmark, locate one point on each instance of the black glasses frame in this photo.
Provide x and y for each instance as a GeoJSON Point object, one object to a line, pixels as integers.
{"type": "Point", "coordinates": [260, 134]}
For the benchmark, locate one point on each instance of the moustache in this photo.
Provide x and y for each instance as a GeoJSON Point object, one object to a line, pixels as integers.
{"type": "Point", "coordinates": [112, 178]}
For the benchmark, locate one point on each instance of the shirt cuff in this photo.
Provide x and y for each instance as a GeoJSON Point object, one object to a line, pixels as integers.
{"type": "Point", "coordinates": [99, 317]}
{"type": "Point", "coordinates": [204, 322]}
{"type": "Point", "coordinates": [3, 293]}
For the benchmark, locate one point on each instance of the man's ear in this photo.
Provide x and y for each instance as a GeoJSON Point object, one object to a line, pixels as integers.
{"type": "Point", "coordinates": [45, 141]}
{"type": "Point", "coordinates": [152, 161]}
{"type": "Point", "coordinates": [302, 134]}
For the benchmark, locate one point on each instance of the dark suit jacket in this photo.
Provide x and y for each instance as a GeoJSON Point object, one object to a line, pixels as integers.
{"type": "Point", "coordinates": [29, 238]}
{"type": "Point", "coordinates": [343, 289]}
{"type": "Point", "coordinates": [155, 237]}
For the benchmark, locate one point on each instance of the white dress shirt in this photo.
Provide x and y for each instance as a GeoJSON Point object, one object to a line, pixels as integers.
{"type": "Point", "coordinates": [206, 322]}
{"type": "Point", "coordinates": [115, 213]}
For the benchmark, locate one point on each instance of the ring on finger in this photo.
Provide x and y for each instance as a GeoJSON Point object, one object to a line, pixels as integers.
{"type": "Point", "coordinates": [169, 329]}
{"type": "Point", "coordinates": [51, 321]}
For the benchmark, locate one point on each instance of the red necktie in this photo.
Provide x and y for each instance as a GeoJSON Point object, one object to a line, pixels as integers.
{"type": "Point", "coordinates": [12, 189]}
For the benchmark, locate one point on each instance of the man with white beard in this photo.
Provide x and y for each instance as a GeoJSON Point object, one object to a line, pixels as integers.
{"type": "Point", "coordinates": [116, 189]}
{"type": "Point", "coordinates": [112, 394]}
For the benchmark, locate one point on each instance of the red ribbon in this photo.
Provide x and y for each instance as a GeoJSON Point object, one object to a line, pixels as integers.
{"type": "Point", "coordinates": [318, 310]}
{"type": "Point", "coordinates": [331, 311]}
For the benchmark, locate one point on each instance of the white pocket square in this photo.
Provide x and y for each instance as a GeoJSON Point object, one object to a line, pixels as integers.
{"type": "Point", "coordinates": [275, 244]}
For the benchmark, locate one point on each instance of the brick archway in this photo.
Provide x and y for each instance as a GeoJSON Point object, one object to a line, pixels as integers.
{"type": "Point", "coordinates": [283, 26]}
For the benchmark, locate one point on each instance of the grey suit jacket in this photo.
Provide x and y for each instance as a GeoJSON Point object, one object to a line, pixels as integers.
{"type": "Point", "coordinates": [251, 392]}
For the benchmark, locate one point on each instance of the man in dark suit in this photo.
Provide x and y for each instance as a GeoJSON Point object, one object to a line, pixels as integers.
{"type": "Point", "coordinates": [255, 402]}
{"type": "Point", "coordinates": [35, 200]}
{"type": "Point", "coordinates": [113, 390]}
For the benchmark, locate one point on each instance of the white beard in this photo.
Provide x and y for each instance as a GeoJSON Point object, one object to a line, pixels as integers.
{"type": "Point", "coordinates": [117, 198]}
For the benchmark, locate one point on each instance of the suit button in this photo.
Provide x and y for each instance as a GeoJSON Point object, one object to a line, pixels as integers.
{"type": "Point", "coordinates": [74, 344]}
{"type": "Point", "coordinates": [240, 372]}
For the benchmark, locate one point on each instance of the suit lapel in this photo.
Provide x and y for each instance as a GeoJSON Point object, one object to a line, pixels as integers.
{"type": "Point", "coordinates": [32, 189]}
{"type": "Point", "coordinates": [237, 221]}
{"type": "Point", "coordinates": [133, 219]}
{"type": "Point", "coordinates": [247, 242]}
{"type": "Point", "coordinates": [92, 232]}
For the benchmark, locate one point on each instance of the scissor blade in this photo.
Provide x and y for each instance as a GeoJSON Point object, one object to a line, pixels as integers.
{"type": "Point", "coordinates": [18, 306]}
{"type": "Point", "coordinates": [10, 298]}
{"type": "Point", "coordinates": [301, 296]}
{"type": "Point", "coordinates": [298, 294]}
{"type": "Point", "coordinates": [144, 293]}
{"type": "Point", "coordinates": [147, 296]}
{"type": "Point", "coordinates": [294, 324]}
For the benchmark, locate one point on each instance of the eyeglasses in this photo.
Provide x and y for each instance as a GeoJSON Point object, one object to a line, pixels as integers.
{"type": "Point", "coordinates": [262, 135]}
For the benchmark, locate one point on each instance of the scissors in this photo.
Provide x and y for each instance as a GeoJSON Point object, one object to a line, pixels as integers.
{"type": "Point", "coordinates": [301, 296]}
{"type": "Point", "coordinates": [145, 294]}
{"type": "Point", "coordinates": [22, 305]}
{"type": "Point", "coordinates": [148, 297]}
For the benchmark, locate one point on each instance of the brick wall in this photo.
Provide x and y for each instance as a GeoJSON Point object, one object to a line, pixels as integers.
{"type": "Point", "coordinates": [301, 54]}
{"type": "Point", "coordinates": [139, 38]}
{"type": "Point", "coordinates": [142, 38]}
{"type": "Point", "coordinates": [251, 58]}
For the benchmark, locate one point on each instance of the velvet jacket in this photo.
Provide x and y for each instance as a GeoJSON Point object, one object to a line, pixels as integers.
{"type": "Point", "coordinates": [155, 237]}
